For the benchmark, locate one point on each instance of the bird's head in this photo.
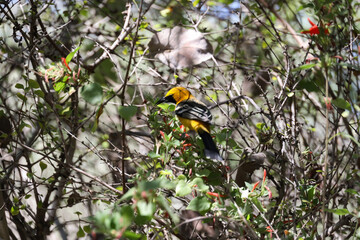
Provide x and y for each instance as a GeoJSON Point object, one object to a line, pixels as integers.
{"type": "Point", "coordinates": [175, 95]}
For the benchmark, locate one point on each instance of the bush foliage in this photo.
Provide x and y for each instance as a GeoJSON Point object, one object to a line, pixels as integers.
{"type": "Point", "coordinates": [86, 152]}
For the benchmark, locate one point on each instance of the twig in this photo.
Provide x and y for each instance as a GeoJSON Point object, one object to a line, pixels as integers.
{"type": "Point", "coordinates": [325, 166]}
{"type": "Point", "coordinates": [122, 97]}
{"type": "Point", "coordinates": [95, 178]}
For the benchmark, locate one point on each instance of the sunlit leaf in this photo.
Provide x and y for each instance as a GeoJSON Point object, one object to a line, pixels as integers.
{"type": "Point", "coordinates": [71, 55]}
{"type": "Point", "coordinates": [182, 188]}
{"type": "Point", "coordinates": [340, 211]}
{"type": "Point", "coordinates": [304, 67]}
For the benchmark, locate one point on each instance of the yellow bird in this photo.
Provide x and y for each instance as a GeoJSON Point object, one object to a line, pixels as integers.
{"type": "Point", "coordinates": [194, 115]}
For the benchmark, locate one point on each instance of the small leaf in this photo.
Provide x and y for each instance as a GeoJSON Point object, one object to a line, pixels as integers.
{"type": "Point", "coordinates": [146, 208]}
{"type": "Point", "coordinates": [304, 67]}
{"type": "Point", "coordinates": [341, 103]}
{"type": "Point", "coordinates": [196, 2]}
{"type": "Point", "coordinates": [39, 93]}
{"type": "Point", "coordinates": [80, 233]}
{"type": "Point", "coordinates": [199, 183]}
{"type": "Point", "coordinates": [43, 166]}
{"type": "Point", "coordinates": [33, 83]}
{"type": "Point", "coordinates": [131, 235]}
{"type": "Point", "coordinates": [351, 191]}
{"type": "Point", "coordinates": [128, 195]}
{"type": "Point", "coordinates": [141, 220]}
{"type": "Point", "coordinates": [98, 114]}
{"type": "Point", "coordinates": [127, 112]}
{"type": "Point", "coordinates": [59, 86]}
{"type": "Point", "coordinates": [350, 66]}
{"type": "Point", "coordinates": [345, 114]}
{"type": "Point", "coordinates": [71, 55]}
{"type": "Point", "coordinates": [19, 86]}
{"type": "Point", "coordinates": [22, 97]}
{"type": "Point", "coordinates": [340, 211]}
{"type": "Point", "coordinates": [200, 204]}
{"type": "Point", "coordinates": [87, 229]}
{"type": "Point", "coordinates": [182, 189]}
{"type": "Point", "coordinates": [78, 213]}
{"type": "Point", "coordinates": [126, 216]}
{"type": "Point", "coordinates": [14, 210]}
{"type": "Point", "coordinates": [258, 204]}
{"type": "Point", "coordinates": [92, 93]}
{"type": "Point", "coordinates": [203, 173]}
{"type": "Point", "coordinates": [290, 94]}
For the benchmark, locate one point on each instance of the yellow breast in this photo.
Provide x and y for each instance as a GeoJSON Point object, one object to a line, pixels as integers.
{"type": "Point", "coordinates": [194, 124]}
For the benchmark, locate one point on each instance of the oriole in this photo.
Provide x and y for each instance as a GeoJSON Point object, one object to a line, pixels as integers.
{"type": "Point", "coordinates": [194, 115]}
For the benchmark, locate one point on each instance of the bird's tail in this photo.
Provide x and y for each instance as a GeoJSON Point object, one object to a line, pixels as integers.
{"type": "Point", "coordinates": [211, 150]}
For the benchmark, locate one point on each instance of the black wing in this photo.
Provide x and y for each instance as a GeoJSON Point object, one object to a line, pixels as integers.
{"type": "Point", "coordinates": [194, 111]}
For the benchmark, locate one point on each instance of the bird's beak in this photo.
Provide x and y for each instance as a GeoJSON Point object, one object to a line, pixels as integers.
{"type": "Point", "coordinates": [161, 100]}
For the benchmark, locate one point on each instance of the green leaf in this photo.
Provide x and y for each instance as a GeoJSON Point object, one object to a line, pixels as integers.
{"type": "Point", "coordinates": [22, 97]}
{"type": "Point", "coordinates": [146, 208]}
{"type": "Point", "coordinates": [59, 86]}
{"type": "Point", "coordinates": [33, 83]}
{"type": "Point", "coordinates": [311, 193]}
{"type": "Point", "coordinates": [43, 166]}
{"type": "Point", "coordinates": [39, 93]}
{"type": "Point", "coordinates": [131, 235]}
{"type": "Point", "coordinates": [203, 173]}
{"type": "Point", "coordinates": [65, 110]}
{"type": "Point", "coordinates": [345, 114]}
{"type": "Point", "coordinates": [290, 94]}
{"type": "Point", "coordinates": [304, 67]}
{"type": "Point", "coordinates": [14, 210]}
{"type": "Point", "coordinates": [126, 216]}
{"type": "Point", "coordinates": [200, 204]}
{"type": "Point", "coordinates": [351, 191]}
{"type": "Point", "coordinates": [155, 184]}
{"type": "Point", "coordinates": [92, 93]}
{"type": "Point", "coordinates": [141, 220]}
{"type": "Point", "coordinates": [167, 107]}
{"type": "Point", "coordinates": [196, 2]}
{"type": "Point", "coordinates": [258, 204]}
{"type": "Point", "coordinates": [128, 195]}
{"type": "Point", "coordinates": [19, 86]}
{"type": "Point", "coordinates": [80, 233]}
{"type": "Point", "coordinates": [199, 183]}
{"type": "Point", "coordinates": [340, 211]}
{"type": "Point", "coordinates": [127, 112]}
{"type": "Point", "coordinates": [182, 189]}
{"type": "Point", "coordinates": [71, 55]}
{"type": "Point", "coordinates": [87, 229]}
{"type": "Point", "coordinates": [341, 103]}
{"type": "Point", "coordinates": [215, 178]}
{"type": "Point", "coordinates": [154, 155]}
{"type": "Point", "coordinates": [351, 137]}
{"type": "Point", "coordinates": [308, 85]}
{"type": "Point", "coordinates": [351, 66]}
